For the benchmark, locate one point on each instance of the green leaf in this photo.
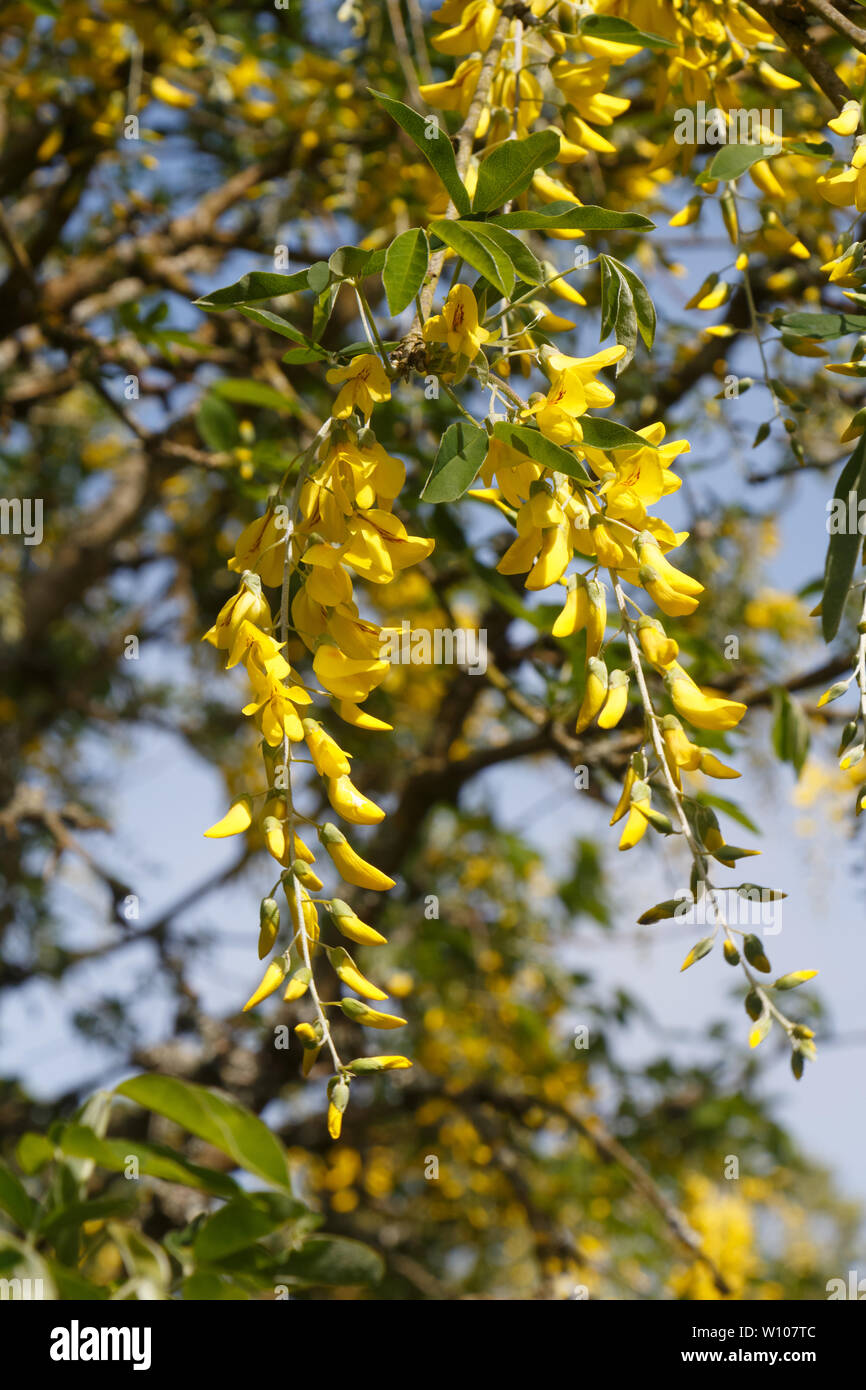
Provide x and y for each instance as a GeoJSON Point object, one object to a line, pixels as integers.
{"type": "Point", "coordinates": [757, 893]}
{"type": "Point", "coordinates": [508, 170]}
{"type": "Point", "coordinates": [247, 391]}
{"type": "Point", "coordinates": [643, 306]}
{"type": "Point", "coordinates": [822, 326]}
{"type": "Point", "coordinates": [734, 160]}
{"type": "Point", "coordinates": [618, 315]}
{"type": "Point", "coordinates": [217, 424]}
{"type": "Point", "coordinates": [813, 149]}
{"type": "Point", "coordinates": [14, 1199]}
{"type": "Point", "coordinates": [601, 26]}
{"type": "Point", "coordinates": [478, 251]}
{"type": "Point", "coordinates": [844, 545]}
{"type": "Point", "coordinates": [565, 216]}
{"type": "Point", "coordinates": [322, 310]}
{"type": "Point", "coordinates": [543, 451]}
{"type": "Point", "coordinates": [333, 1261]}
{"type": "Point", "coordinates": [298, 355]}
{"type": "Point", "coordinates": [460, 455]}
{"type": "Point", "coordinates": [33, 1151]}
{"type": "Point", "coordinates": [70, 1285]}
{"type": "Point", "coordinates": [608, 434]}
{"type": "Point", "coordinates": [762, 433]}
{"type": "Point", "coordinates": [730, 808]}
{"type": "Point", "coordinates": [526, 265]}
{"type": "Point", "coordinates": [663, 911]}
{"type": "Point", "coordinates": [242, 1222]}
{"type": "Point", "coordinates": [220, 1122]}
{"type": "Point", "coordinates": [354, 263]}
{"type": "Point", "coordinates": [437, 151]}
{"type": "Point", "coordinates": [213, 1288]}
{"type": "Point", "coordinates": [406, 263]}
{"type": "Point", "coordinates": [75, 1214]}
{"type": "Point", "coordinates": [258, 284]}
{"type": "Point", "coordinates": [266, 319]}
{"type": "Point", "coordinates": [363, 346]}
{"type": "Point", "coordinates": [154, 1160]}
{"type": "Point", "coordinates": [791, 736]}
{"type": "Point", "coordinates": [731, 853]}
{"type": "Point", "coordinates": [319, 276]}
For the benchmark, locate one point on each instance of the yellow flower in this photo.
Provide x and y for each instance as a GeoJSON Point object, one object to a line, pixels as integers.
{"type": "Point", "coordinates": [617, 700]}
{"type": "Point", "coordinates": [347, 971]}
{"type": "Point", "coordinates": [328, 757]}
{"type": "Point", "coordinates": [582, 85]}
{"type": "Point", "coordinates": [350, 925]}
{"type": "Point", "coordinates": [261, 652]}
{"type": "Point", "coordinates": [378, 546]}
{"type": "Point", "coordinates": [702, 707]}
{"type": "Point", "coordinates": [473, 27]}
{"type": "Point", "coordinates": [847, 186]}
{"type": "Point", "coordinates": [557, 413]}
{"type": "Point", "coordinates": [274, 710]}
{"type": "Point", "coordinates": [271, 980]}
{"type": "Point", "coordinates": [584, 370]}
{"type": "Point", "coordinates": [635, 828]}
{"type": "Point", "coordinates": [349, 678]}
{"type": "Point", "coordinates": [261, 547]}
{"type": "Point", "coordinates": [456, 94]}
{"type": "Point", "coordinates": [594, 694]}
{"type": "Point", "coordinates": [575, 613]}
{"type": "Point", "coordinates": [365, 384]}
{"type": "Point", "coordinates": [237, 819]}
{"type": "Point", "coordinates": [351, 804]}
{"type": "Point", "coordinates": [247, 603]}
{"type": "Point", "coordinates": [457, 325]}
{"type": "Point", "coordinates": [658, 648]}
{"type": "Point", "coordinates": [370, 1018]}
{"type": "Point", "coordinates": [848, 120]}
{"type": "Point", "coordinates": [350, 866]}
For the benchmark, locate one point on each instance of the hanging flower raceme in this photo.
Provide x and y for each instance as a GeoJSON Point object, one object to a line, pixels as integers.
{"type": "Point", "coordinates": [340, 528]}
{"type": "Point", "coordinates": [580, 491]}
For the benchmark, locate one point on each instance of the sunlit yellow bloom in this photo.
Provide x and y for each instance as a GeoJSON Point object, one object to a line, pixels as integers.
{"type": "Point", "coordinates": [237, 819]}
{"type": "Point", "coordinates": [702, 707]}
{"type": "Point", "coordinates": [261, 547]}
{"type": "Point", "coordinates": [349, 678]}
{"type": "Point", "coordinates": [366, 383]}
{"type": "Point", "coordinates": [457, 325]}
{"type": "Point", "coordinates": [351, 804]}
{"type": "Point", "coordinates": [634, 829]}
{"type": "Point", "coordinates": [457, 92]}
{"type": "Point", "coordinates": [473, 27]}
{"type": "Point", "coordinates": [247, 603]}
{"type": "Point", "coordinates": [350, 866]}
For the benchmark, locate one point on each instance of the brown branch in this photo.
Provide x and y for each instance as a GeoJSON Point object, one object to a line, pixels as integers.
{"type": "Point", "coordinates": [791, 24]}
{"type": "Point", "coordinates": [839, 22]}
{"type": "Point", "coordinates": [404, 54]}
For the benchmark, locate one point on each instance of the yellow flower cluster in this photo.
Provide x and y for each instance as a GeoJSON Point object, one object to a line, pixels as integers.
{"type": "Point", "coordinates": [581, 492]}
{"type": "Point", "coordinates": [339, 526]}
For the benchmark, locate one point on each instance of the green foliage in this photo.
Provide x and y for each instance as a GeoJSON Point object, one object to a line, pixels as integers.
{"type": "Point", "coordinates": [78, 1230]}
